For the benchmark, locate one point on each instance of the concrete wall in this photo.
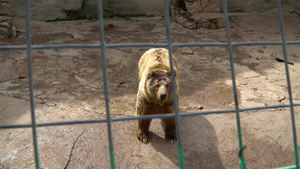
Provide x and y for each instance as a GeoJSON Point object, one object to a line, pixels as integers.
{"type": "Point", "coordinates": [76, 9]}
{"type": "Point", "coordinates": [46, 10]}
{"type": "Point", "coordinates": [73, 9]}
{"type": "Point", "coordinates": [261, 5]}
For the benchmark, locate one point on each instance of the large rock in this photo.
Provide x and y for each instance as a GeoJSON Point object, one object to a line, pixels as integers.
{"type": "Point", "coordinates": [203, 6]}
{"type": "Point", "coordinates": [5, 8]}
{"type": "Point", "coordinates": [7, 28]}
{"type": "Point", "coordinates": [209, 20]}
{"type": "Point", "coordinates": [90, 9]}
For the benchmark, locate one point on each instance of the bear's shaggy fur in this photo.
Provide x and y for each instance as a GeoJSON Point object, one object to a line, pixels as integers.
{"type": "Point", "coordinates": [155, 92]}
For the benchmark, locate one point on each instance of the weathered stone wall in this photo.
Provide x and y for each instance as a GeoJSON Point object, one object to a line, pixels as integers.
{"type": "Point", "coordinates": [261, 5]}
{"type": "Point", "coordinates": [47, 10]}
{"type": "Point", "coordinates": [134, 7]}
{"type": "Point", "coordinates": [75, 9]}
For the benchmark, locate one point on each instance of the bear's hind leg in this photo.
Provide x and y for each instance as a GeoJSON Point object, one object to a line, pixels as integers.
{"type": "Point", "coordinates": [142, 132]}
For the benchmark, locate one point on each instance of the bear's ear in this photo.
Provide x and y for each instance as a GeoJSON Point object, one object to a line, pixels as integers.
{"type": "Point", "coordinates": [149, 75]}
{"type": "Point", "coordinates": [169, 73]}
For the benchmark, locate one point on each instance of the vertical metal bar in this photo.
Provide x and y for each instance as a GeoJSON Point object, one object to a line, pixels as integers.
{"type": "Point", "coordinates": [30, 79]}
{"type": "Point", "coordinates": [108, 116]}
{"type": "Point", "coordinates": [241, 147]}
{"type": "Point", "coordinates": [167, 20]}
{"type": "Point", "coordinates": [288, 83]}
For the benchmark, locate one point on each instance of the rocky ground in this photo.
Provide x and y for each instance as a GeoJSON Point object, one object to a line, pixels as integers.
{"type": "Point", "coordinates": [68, 86]}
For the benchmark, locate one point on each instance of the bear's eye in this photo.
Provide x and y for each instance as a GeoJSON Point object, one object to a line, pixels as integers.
{"type": "Point", "coordinates": [157, 86]}
{"type": "Point", "coordinates": [167, 85]}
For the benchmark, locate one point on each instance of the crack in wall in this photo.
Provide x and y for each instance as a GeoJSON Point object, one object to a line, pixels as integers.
{"type": "Point", "coordinates": [70, 156]}
{"type": "Point", "coordinates": [297, 13]}
{"type": "Point", "coordinates": [26, 99]}
{"type": "Point", "coordinates": [42, 102]}
{"type": "Point", "coordinates": [12, 58]}
{"type": "Point", "coordinates": [12, 79]}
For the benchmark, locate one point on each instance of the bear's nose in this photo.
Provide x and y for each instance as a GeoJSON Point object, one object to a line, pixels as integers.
{"type": "Point", "coordinates": [163, 96]}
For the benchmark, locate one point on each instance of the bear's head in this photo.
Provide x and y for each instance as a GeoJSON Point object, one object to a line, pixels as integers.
{"type": "Point", "coordinates": [158, 86]}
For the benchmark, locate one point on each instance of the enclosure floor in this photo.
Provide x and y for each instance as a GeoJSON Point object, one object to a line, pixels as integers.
{"type": "Point", "coordinates": [68, 85]}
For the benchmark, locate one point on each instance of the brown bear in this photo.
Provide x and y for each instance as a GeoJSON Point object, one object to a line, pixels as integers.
{"type": "Point", "coordinates": [155, 92]}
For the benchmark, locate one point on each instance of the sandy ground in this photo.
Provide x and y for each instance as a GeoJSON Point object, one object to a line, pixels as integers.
{"type": "Point", "coordinates": [68, 86]}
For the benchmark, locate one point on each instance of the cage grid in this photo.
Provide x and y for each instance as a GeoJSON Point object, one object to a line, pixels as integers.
{"type": "Point", "coordinates": [169, 45]}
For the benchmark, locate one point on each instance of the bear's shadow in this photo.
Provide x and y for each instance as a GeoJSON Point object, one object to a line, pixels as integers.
{"type": "Point", "coordinates": [199, 143]}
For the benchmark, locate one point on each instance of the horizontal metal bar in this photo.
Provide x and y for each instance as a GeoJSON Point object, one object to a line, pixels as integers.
{"type": "Point", "coordinates": [195, 44]}
{"type": "Point", "coordinates": [292, 42]}
{"type": "Point", "coordinates": [13, 47]}
{"type": "Point", "coordinates": [58, 46]}
{"type": "Point", "coordinates": [88, 45]}
{"type": "Point", "coordinates": [240, 109]}
{"type": "Point", "coordinates": [145, 117]}
{"type": "Point", "coordinates": [15, 126]}
{"type": "Point", "coordinates": [256, 43]}
{"type": "Point", "coordinates": [49, 46]}
{"type": "Point", "coordinates": [269, 107]}
{"type": "Point", "coordinates": [264, 43]}
{"type": "Point", "coordinates": [127, 45]}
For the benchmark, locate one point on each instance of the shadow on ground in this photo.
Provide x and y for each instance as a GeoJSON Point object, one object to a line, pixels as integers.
{"type": "Point", "coordinates": [199, 142]}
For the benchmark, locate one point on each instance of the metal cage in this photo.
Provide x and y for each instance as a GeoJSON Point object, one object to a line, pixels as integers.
{"type": "Point", "coordinates": [169, 45]}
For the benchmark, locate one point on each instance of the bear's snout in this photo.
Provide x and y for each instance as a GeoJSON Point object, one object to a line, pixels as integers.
{"type": "Point", "coordinates": [163, 96]}
{"type": "Point", "coordinates": [162, 93]}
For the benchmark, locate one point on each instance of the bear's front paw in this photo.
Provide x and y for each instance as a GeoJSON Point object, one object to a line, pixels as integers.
{"type": "Point", "coordinates": [143, 137]}
{"type": "Point", "coordinates": [171, 139]}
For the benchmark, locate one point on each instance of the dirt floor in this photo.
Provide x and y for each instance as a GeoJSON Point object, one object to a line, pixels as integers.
{"type": "Point", "coordinates": [68, 86]}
